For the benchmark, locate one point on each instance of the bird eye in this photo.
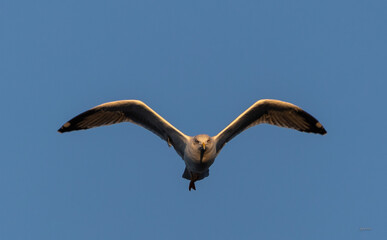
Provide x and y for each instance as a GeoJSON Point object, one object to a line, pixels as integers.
{"type": "Point", "coordinates": [208, 140]}
{"type": "Point", "coordinates": [196, 141]}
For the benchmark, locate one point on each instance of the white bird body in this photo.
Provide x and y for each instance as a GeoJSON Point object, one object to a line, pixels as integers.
{"type": "Point", "coordinates": [198, 152]}
{"type": "Point", "coordinates": [199, 155]}
{"type": "Point", "coordinates": [193, 159]}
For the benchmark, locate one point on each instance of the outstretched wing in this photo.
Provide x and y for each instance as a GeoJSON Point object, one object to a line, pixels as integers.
{"type": "Point", "coordinates": [275, 112]}
{"type": "Point", "coordinates": [128, 111]}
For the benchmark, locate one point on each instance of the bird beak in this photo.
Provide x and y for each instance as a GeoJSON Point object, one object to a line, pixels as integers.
{"type": "Point", "coordinates": [202, 149]}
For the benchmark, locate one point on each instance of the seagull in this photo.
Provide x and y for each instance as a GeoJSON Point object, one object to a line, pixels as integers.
{"type": "Point", "coordinates": [198, 152]}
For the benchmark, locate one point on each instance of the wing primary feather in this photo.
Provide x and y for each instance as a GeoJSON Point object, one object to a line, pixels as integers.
{"type": "Point", "coordinates": [133, 111]}
{"type": "Point", "coordinates": [273, 112]}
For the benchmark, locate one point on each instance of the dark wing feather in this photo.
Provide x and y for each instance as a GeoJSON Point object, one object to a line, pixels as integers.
{"type": "Point", "coordinates": [275, 112]}
{"type": "Point", "coordinates": [128, 111]}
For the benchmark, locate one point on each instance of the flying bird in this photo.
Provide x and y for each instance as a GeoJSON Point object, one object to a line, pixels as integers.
{"type": "Point", "coordinates": [200, 151]}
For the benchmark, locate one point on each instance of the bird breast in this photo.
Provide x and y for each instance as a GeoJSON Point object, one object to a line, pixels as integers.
{"type": "Point", "coordinates": [193, 162]}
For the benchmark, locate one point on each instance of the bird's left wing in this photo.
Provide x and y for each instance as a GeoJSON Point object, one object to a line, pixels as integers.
{"type": "Point", "coordinates": [275, 112]}
{"type": "Point", "coordinates": [128, 111]}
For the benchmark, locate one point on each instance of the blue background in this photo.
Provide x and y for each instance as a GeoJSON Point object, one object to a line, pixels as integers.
{"type": "Point", "coordinates": [199, 64]}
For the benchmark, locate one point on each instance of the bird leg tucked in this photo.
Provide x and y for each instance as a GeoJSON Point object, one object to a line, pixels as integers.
{"type": "Point", "coordinates": [194, 178]}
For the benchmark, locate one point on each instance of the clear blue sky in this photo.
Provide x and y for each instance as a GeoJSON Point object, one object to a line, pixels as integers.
{"type": "Point", "coordinates": [216, 58]}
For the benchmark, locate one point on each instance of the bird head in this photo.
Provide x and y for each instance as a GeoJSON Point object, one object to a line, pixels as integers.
{"type": "Point", "coordinates": [203, 143]}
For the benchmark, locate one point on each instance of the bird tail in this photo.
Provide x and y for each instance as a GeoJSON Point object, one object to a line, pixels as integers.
{"type": "Point", "coordinates": [187, 174]}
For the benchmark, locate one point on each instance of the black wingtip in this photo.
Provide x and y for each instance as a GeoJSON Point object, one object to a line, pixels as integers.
{"type": "Point", "coordinates": [314, 126]}
{"type": "Point", "coordinates": [318, 128]}
{"type": "Point", "coordinates": [65, 128]}
{"type": "Point", "coordinates": [322, 132]}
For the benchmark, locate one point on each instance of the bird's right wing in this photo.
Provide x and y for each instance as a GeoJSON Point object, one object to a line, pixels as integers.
{"type": "Point", "coordinates": [128, 111]}
{"type": "Point", "coordinates": [275, 112]}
